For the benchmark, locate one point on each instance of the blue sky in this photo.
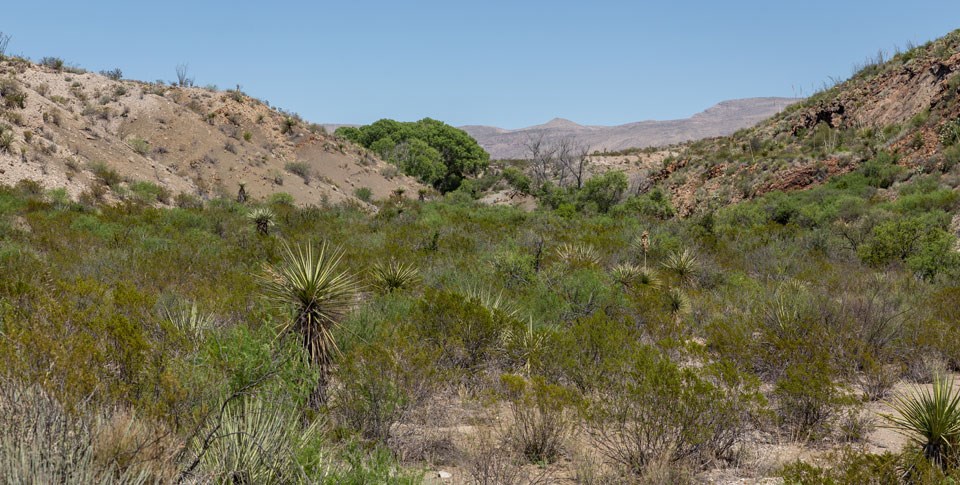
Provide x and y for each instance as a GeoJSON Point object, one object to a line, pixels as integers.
{"type": "Point", "coordinates": [505, 63]}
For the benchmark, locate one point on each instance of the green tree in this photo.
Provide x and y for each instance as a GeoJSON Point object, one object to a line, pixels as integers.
{"type": "Point", "coordinates": [431, 150]}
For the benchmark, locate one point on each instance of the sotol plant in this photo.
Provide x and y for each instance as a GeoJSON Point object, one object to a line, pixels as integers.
{"type": "Point", "coordinates": [319, 293]}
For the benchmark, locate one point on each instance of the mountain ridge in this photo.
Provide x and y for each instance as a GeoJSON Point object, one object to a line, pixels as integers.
{"type": "Point", "coordinates": [723, 118]}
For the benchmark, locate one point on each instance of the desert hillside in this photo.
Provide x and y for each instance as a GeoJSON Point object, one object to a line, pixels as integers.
{"type": "Point", "coordinates": [721, 119]}
{"type": "Point", "coordinates": [905, 107]}
{"type": "Point", "coordinates": [103, 136]}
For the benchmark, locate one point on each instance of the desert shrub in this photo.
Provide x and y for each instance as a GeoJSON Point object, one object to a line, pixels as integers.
{"type": "Point", "coordinates": [301, 169]}
{"type": "Point", "coordinates": [602, 192]}
{"type": "Point", "coordinates": [516, 268]}
{"type": "Point", "coordinates": [653, 204]}
{"type": "Point", "coordinates": [113, 74]}
{"type": "Point", "coordinates": [54, 63]}
{"type": "Point", "coordinates": [106, 175]}
{"type": "Point", "coordinates": [139, 146]}
{"type": "Point", "coordinates": [41, 442]}
{"type": "Point", "coordinates": [650, 409]}
{"type": "Point", "coordinates": [882, 171]}
{"type": "Point", "coordinates": [542, 418]}
{"type": "Point", "coordinates": [807, 399]}
{"type": "Point", "coordinates": [850, 467]}
{"type": "Point", "coordinates": [466, 333]}
{"type": "Point", "coordinates": [380, 384]}
{"type": "Point", "coordinates": [6, 140]}
{"type": "Point", "coordinates": [150, 192]}
{"type": "Point", "coordinates": [13, 95]}
{"type": "Point", "coordinates": [919, 241]}
{"type": "Point", "coordinates": [518, 180]}
{"type": "Point", "coordinates": [363, 193]}
{"type": "Point", "coordinates": [280, 199]}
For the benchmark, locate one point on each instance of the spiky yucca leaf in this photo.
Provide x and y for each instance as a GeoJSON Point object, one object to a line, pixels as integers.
{"type": "Point", "coordinates": [393, 276]}
{"type": "Point", "coordinates": [683, 265]}
{"type": "Point", "coordinates": [491, 301]}
{"type": "Point", "coordinates": [578, 254]}
{"type": "Point", "coordinates": [625, 273]}
{"type": "Point", "coordinates": [319, 293]}
{"type": "Point", "coordinates": [190, 321]}
{"type": "Point", "coordinates": [931, 418]}
{"type": "Point", "coordinates": [256, 442]}
{"type": "Point", "coordinates": [678, 303]}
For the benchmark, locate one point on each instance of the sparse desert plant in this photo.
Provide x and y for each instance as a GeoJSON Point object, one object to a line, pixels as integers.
{"type": "Point", "coordinates": [263, 219]}
{"type": "Point", "coordinates": [931, 419]}
{"type": "Point", "coordinates": [6, 140]}
{"type": "Point", "coordinates": [113, 74]}
{"type": "Point", "coordinates": [683, 265]}
{"type": "Point", "coordinates": [190, 321]}
{"type": "Point", "coordinates": [139, 146]}
{"type": "Point", "coordinates": [394, 276]}
{"type": "Point", "coordinates": [13, 95]}
{"type": "Point", "coordinates": [254, 442]}
{"type": "Point", "coordinates": [542, 421]}
{"type": "Point", "coordinates": [287, 125]}
{"type": "Point", "coordinates": [578, 254]}
{"type": "Point", "coordinates": [106, 175]}
{"type": "Point", "coordinates": [312, 285]}
{"type": "Point", "coordinates": [299, 168]}
{"type": "Point", "coordinates": [363, 193]}
{"type": "Point", "coordinates": [54, 63]}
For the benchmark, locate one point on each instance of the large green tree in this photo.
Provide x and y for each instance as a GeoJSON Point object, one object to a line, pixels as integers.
{"type": "Point", "coordinates": [433, 151]}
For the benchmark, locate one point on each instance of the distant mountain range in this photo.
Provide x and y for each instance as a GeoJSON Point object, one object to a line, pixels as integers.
{"type": "Point", "coordinates": [719, 120]}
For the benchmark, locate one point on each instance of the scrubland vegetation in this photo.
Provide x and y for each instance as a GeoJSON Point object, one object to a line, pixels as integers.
{"type": "Point", "coordinates": [158, 342]}
{"type": "Point", "coordinates": [597, 339]}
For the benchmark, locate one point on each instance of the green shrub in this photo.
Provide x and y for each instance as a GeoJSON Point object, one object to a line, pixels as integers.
{"type": "Point", "coordinates": [380, 385]}
{"type": "Point", "coordinates": [106, 175]}
{"type": "Point", "coordinates": [301, 169]}
{"type": "Point", "coordinates": [542, 418]}
{"type": "Point", "coordinates": [603, 191]}
{"type": "Point", "coordinates": [651, 410]}
{"type": "Point", "coordinates": [363, 193]}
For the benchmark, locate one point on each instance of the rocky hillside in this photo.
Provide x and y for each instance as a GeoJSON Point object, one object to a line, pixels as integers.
{"type": "Point", "coordinates": [906, 108]}
{"type": "Point", "coordinates": [97, 135]}
{"type": "Point", "coordinates": [721, 119]}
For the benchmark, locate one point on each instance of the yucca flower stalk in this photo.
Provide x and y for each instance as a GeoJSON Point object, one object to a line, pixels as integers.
{"type": "Point", "coordinates": [312, 285]}
{"type": "Point", "coordinates": [931, 419]}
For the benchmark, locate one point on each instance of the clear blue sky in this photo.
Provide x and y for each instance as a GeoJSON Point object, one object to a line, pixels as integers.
{"type": "Point", "coordinates": [505, 63]}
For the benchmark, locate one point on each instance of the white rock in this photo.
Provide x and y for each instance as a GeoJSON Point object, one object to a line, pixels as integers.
{"type": "Point", "coordinates": [444, 475]}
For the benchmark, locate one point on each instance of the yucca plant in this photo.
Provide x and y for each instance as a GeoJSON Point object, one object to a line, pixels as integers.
{"type": "Point", "coordinates": [255, 442]}
{"type": "Point", "coordinates": [190, 322]}
{"type": "Point", "coordinates": [491, 301]}
{"type": "Point", "coordinates": [263, 219]}
{"type": "Point", "coordinates": [684, 266]}
{"type": "Point", "coordinates": [625, 273]}
{"type": "Point", "coordinates": [931, 419]}
{"type": "Point", "coordinates": [678, 303]}
{"type": "Point", "coordinates": [578, 254]}
{"type": "Point", "coordinates": [312, 285]}
{"type": "Point", "coordinates": [394, 276]}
